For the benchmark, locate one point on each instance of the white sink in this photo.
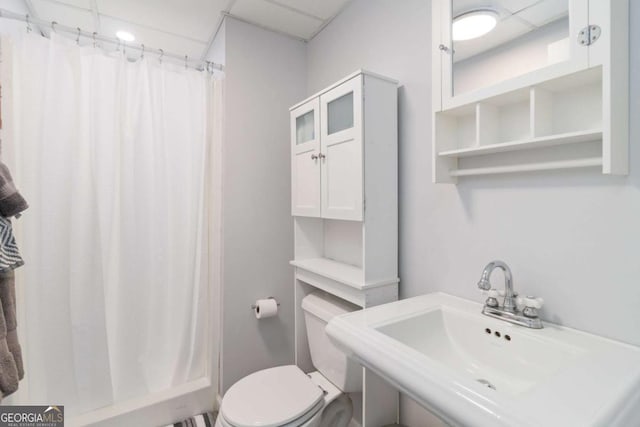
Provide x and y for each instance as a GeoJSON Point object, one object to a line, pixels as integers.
{"type": "Point", "coordinates": [441, 351]}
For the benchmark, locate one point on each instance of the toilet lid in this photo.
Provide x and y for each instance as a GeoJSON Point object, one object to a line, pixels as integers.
{"type": "Point", "coordinates": [271, 397]}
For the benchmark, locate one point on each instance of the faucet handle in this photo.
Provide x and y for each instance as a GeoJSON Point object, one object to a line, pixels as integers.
{"type": "Point", "coordinates": [531, 302]}
{"type": "Point", "coordinates": [531, 306]}
{"type": "Point", "coordinates": [492, 300]}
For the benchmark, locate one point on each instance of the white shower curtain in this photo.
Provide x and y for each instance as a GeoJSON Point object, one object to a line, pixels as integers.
{"type": "Point", "coordinates": [111, 156]}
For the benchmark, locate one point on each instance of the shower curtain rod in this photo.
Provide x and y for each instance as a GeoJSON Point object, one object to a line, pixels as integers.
{"type": "Point", "coordinates": [198, 64]}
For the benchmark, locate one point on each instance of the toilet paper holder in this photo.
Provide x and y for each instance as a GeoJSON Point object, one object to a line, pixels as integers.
{"type": "Point", "coordinates": [253, 306]}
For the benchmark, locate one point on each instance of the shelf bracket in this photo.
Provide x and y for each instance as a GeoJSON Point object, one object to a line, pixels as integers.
{"type": "Point", "coordinates": [589, 35]}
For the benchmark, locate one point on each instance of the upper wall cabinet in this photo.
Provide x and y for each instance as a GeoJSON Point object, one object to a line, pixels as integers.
{"type": "Point", "coordinates": [329, 142]}
{"type": "Point", "coordinates": [529, 85]}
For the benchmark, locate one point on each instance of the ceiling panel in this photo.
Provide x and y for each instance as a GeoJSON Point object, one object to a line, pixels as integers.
{"type": "Point", "coordinates": [545, 12]}
{"type": "Point", "coordinates": [514, 6]}
{"type": "Point", "coordinates": [506, 6]}
{"type": "Point", "coordinates": [154, 38]}
{"type": "Point", "coordinates": [195, 19]}
{"type": "Point", "coordinates": [325, 9]}
{"type": "Point", "coordinates": [83, 4]}
{"type": "Point", "coordinates": [64, 15]}
{"type": "Point", "coordinates": [186, 26]}
{"type": "Point", "coordinates": [276, 17]}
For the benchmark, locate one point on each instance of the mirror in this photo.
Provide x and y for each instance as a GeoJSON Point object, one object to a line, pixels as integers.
{"type": "Point", "coordinates": [494, 40]}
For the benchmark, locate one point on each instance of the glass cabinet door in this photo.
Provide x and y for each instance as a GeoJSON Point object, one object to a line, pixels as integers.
{"type": "Point", "coordinates": [305, 159]}
{"type": "Point", "coordinates": [341, 151]}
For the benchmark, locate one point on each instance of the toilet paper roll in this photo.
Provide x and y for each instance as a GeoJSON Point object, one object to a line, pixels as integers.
{"type": "Point", "coordinates": [265, 308]}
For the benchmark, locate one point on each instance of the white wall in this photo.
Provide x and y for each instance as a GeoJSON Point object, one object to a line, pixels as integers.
{"type": "Point", "coordinates": [570, 237]}
{"type": "Point", "coordinates": [265, 75]}
{"type": "Point", "coordinates": [217, 51]}
{"type": "Point", "coordinates": [12, 26]}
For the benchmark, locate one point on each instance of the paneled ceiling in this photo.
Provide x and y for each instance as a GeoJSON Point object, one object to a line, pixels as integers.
{"type": "Point", "coordinates": [186, 26]}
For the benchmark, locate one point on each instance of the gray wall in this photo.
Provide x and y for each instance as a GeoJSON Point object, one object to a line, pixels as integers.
{"type": "Point", "coordinates": [570, 237]}
{"type": "Point", "coordinates": [265, 75]}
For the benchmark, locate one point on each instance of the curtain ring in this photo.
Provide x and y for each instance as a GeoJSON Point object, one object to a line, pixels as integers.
{"type": "Point", "coordinates": [161, 55]}
{"type": "Point", "coordinates": [142, 54]}
{"type": "Point", "coordinates": [78, 38]}
{"type": "Point", "coordinates": [28, 23]}
{"type": "Point", "coordinates": [94, 38]}
{"type": "Point", "coordinates": [186, 58]}
{"type": "Point", "coordinates": [53, 26]}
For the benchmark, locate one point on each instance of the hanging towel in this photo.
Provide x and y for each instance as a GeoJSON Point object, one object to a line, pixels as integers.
{"type": "Point", "coordinates": [8, 299]}
{"type": "Point", "coordinates": [9, 255]}
{"type": "Point", "coordinates": [11, 368]}
{"type": "Point", "coordinates": [11, 202]}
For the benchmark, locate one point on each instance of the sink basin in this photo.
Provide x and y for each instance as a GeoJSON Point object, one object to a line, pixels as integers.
{"type": "Point", "coordinates": [473, 370]}
{"type": "Point", "coordinates": [511, 362]}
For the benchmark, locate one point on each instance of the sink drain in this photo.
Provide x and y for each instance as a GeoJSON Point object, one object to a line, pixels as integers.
{"type": "Point", "coordinates": [487, 383]}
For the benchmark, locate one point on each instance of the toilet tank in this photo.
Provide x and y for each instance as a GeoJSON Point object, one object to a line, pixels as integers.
{"type": "Point", "coordinates": [334, 365]}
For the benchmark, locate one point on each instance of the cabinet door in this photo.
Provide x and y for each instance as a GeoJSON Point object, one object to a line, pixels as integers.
{"type": "Point", "coordinates": [341, 147]}
{"type": "Point", "coordinates": [305, 161]}
{"type": "Point", "coordinates": [533, 41]}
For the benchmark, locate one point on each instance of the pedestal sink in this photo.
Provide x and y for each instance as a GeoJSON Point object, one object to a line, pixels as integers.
{"type": "Point", "coordinates": [472, 370]}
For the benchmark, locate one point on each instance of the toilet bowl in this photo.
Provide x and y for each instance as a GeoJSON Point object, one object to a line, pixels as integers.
{"type": "Point", "coordinates": [285, 396]}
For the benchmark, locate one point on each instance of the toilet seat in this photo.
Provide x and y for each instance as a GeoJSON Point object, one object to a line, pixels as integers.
{"type": "Point", "coordinates": [274, 397]}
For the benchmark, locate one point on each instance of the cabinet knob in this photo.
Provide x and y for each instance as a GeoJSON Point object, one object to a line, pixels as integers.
{"type": "Point", "coordinates": [314, 157]}
{"type": "Point", "coordinates": [321, 156]}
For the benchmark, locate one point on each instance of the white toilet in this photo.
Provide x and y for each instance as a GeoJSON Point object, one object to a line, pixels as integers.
{"type": "Point", "coordinates": [285, 396]}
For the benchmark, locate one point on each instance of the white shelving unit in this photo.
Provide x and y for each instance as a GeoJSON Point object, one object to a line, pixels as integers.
{"type": "Point", "coordinates": [344, 202]}
{"type": "Point", "coordinates": [527, 144]}
{"type": "Point", "coordinates": [565, 116]}
{"type": "Point", "coordinates": [340, 272]}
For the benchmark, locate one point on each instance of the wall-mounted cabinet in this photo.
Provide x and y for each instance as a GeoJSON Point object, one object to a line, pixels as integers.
{"type": "Point", "coordinates": [333, 135]}
{"type": "Point", "coordinates": [344, 162]}
{"type": "Point", "coordinates": [569, 110]}
{"type": "Point", "coordinates": [327, 155]}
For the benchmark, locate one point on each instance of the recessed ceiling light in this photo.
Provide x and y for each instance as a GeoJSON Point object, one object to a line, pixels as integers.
{"type": "Point", "coordinates": [473, 24]}
{"type": "Point", "coordinates": [125, 36]}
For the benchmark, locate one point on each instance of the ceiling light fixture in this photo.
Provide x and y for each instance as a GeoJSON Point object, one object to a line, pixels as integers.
{"type": "Point", "coordinates": [474, 24]}
{"type": "Point", "coordinates": [125, 36]}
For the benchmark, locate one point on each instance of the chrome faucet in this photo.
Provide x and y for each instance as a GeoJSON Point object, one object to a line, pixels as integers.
{"type": "Point", "coordinates": [509, 309]}
{"type": "Point", "coordinates": [509, 303]}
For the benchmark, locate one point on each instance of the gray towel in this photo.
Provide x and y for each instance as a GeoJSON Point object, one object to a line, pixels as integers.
{"type": "Point", "coordinates": [11, 202]}
{"type": "Point", "coordinates": [11, 368]}
{"type": "Point", "coordinates": [8, 300]}
{"type": "Point", "coordinates": [9, 255]}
